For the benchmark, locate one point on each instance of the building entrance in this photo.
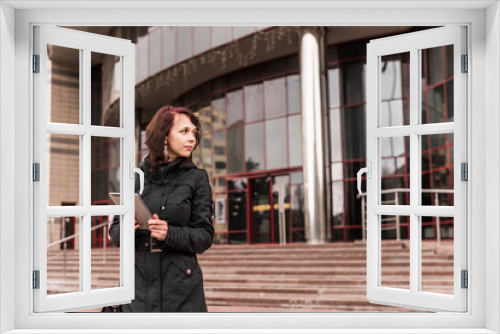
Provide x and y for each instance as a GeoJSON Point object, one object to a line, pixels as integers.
{"type": "Point", "coordinates": [270, 209]}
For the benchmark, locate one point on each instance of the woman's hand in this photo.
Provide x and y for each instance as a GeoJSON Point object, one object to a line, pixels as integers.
{"type": "Point", "coordinates": [158, 228]}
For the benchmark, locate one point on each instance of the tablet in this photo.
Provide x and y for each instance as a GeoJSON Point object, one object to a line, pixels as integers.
{"type": "Point", "coordinates": [141, 210]}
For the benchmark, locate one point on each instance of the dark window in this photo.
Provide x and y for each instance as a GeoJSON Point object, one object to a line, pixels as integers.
{"type": "Point", "coordinates": [354, 132]}
{"type": "Point", "coordinates": [237, 202]}
{"type": "Point", "coordinates": [352, 83]}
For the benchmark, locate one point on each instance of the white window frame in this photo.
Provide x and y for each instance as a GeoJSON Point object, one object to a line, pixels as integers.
{"type": "Point", "coordinates": [414, 43]}
{"type": "Point", "coordinates": [85, 43]}
{"type": "Point", "coordinates": [483, 211]}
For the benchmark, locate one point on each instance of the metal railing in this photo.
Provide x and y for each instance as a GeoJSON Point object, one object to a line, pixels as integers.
{"type": "Point", "coordinates": [395, 201]}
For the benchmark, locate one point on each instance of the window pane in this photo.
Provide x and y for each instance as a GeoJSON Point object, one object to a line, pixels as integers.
{"type": "Point", "coordinates": [394, 170]}
{"type": "Point", "coordinates": [254, 147]}
{"type": "Point", "coordinates": [338, 203]}
{"type": "Point", "coordinates": [63, 170]}
{"type": "Point", "coordinates": [395, 257]}
{"type": "Point", "coordinates": [237, 203]}
{"type": "Point", "coordinates": [335, 135]}
{"type": "Point", "coordinates": [220, 35]}
{"type": "Point", "coordinates": [184, 40]}
{"type": "Point", "coordinates": [105, 90]}
{"type": "Point", "coordinates": [201, 39]}
{"type": "Point", "coordinates": [433, 65]}
{"type": "Point", "coordinates": [220, 148]}
{"type": "Point", "coordinates": [260, 211]}
{"type": "Point", "coordinates": [219, 113]}
{"type": "Point", "coordinates": [155, 51]}
{"type": "Point", "coordinates": [293, 87]}
{"type": "Point", "coordinates": [391, 89]}
{"type": "Point", "coordinates": [235, 150]}
{"type": "Point", "coordinates": [234, 107]}
{"type": "Point", "coordinates": [253, 103]}
{"type": "Point", "coordinates": [274, 97]}
{"type": "Point", "coordinates": [105, 260]}
{"type": "Point", "coordinates": [437, 169]}
{"type": "Point", "coordinates": [168, 46]}
{"type": "Point", "coordinates": [220, 221]}
{"type": "Point", "coordinates": [297, 206]}
{"type": "Point", "coordinates": [105, 169]}
{"type": "Point", "coordinates": [63, 257]}
{"type": "Point", "coordinates": [295, 140]}
{"type": "Point", "coordinates": [354, 132]}
{"type": "Point", "coordinates": [437, 258]}
{"type": "Point", "coordinates": [276, 144]}
{"type": "Point", "coordinates": [333, 87]}
{"type": "Point", "coordinates": [352, 83]}
{"type": "Point", "coordinates": [63, 90]}
{"type": "Point", "coordinates": [433, 108]}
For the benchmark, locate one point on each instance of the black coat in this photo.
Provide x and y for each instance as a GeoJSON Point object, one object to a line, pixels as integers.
{"type": "Point", "coordinates": [172, 281]}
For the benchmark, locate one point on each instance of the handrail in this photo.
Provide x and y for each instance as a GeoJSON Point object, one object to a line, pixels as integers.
{"type": "Point", "coordinates": [93, 228]}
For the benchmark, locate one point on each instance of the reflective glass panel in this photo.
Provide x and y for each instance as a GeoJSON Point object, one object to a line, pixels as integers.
{"type": "Point", "coordinates": [395, 253]}
{"type": "Point", "coordinates": [253, 103]}
{"type": "Point", "coordinates": [275, 97]}
{"type": "Point", "coordinates": [105, 89]}
{"type": "Point", "coordinates": [261, 210]}
{"type": "Point", "coordinates": [234, 107]}
{"type": "Point", "coordinates": [297, 212]}
{"type": "Point", "coordinates": [335, 134]}
{"type": "Point", "coordinates": [352, 83]}
{"type": "Point", "coordinates": [394, 79]}
{"type": "Point", "coordinates": [254, 147]}
{"type": "Point", "coordinates": [237, 210]}
{"type": "Point", "coordinates": [219, 153]}
{"type": "Point", "coordinates": [295, 140]}
{"type": "Point", "coordinates": [354, 132]}
{"type": "Point", "coordinates": [63, 88]}
{"type": "Point", "coordinates": [63, 255]}
{"type": "Point", "coordinates": [394, 170]}
{"type": "Point", "coordinates": [219, 113]}
{"type": "Point", "coordinates": [235, 145]}
{"type": "Point", "coordinates": [63, 170]}
{"type": "Point", "coordinates": [276, 143]}
{"type": "Point", "coordinates": [334, 87]}
{"type": "Point", "coordinates": [337, 203]}
{"type": "Point", "coordinates": [293, 89]}
{"type": "Point", "coordinates": [105, 258]}
{"type": "Point", "coordinates": [105, 166]}
{"type": "Point", "coordinates": [155, 51]}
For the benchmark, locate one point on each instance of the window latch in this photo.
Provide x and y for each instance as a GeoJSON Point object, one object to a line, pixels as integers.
{"type": "Point", "coordinates": [368, 171]}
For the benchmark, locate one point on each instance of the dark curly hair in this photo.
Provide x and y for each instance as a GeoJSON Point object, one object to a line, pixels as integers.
{"type": "Point", "coordinates": [159, 128]}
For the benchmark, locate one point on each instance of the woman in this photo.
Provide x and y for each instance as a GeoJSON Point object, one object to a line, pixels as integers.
{"type": "Point", "coordinates": [179, 196]}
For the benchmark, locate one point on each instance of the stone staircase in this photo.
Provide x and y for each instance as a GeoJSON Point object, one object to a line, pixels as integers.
{"type": "Point", "coordinates": [291, 278]}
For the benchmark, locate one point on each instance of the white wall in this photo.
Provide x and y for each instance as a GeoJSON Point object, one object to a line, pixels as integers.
{"type": "Point", "coordinates": [7, 75]}
{"type": "Point", "coordinates": [492, 148]}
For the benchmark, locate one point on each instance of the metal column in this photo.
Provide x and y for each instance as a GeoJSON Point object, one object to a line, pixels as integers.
{"type": "Point", "coordinates": [315, 137]}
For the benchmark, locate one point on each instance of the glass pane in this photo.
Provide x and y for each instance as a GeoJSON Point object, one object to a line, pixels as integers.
{"type": "Point", "coordinates": [334, 87]}
{"type": "Point", "coordinates": [297, 177]}
{"type": "Point", "coordinates": [297, 207]}
{"type": "Point", "coordinates": [237, 211]}
{"type": "Point", "coordinates": [395, 251]}
{"type": "Point", "coordinates": [105, 258]}
{"type": "Point", "coordinates": [219, 113]}
{"type": "Point", "coordinates": [237, 238]}
{"type": "Point", "coordinates": [261, 211]}
{"type": "Point", "coordinates": [293, 88]}
{"type": "Point", "coordinates": [354, 131]}
{"type": "Point", "coordinates": [254, 147]}
{"type": "Point", "coordinates": [155, 51]}
{"type": "Point", "coordinates": [281, 222]}
{"type": "Point", "coordinates": [253, 103]}
{"type": "Point", "coordinates": [338, 203]}
{"type": "Point", "coordinates": [275, 97]}
{"type": "Point", "coordinates": [220, 201]}
{"type": "Point", "coordinates": [184, 41]}
{"type": "Point", "coordinates": [235, 150]}
{"type": "Point", "coordinates": [63, 89]}
{"type": "Point", "coordinates": [335, 135]}
{"type": "Point", "coordinates": [394, 79]}
{"type": "Point", "coordinates": [437, 84]}
{"type": "Point", "coordinates": [203, 154]}
{"type": "Point", "coordinates": [220, 157]}
{"type": "Point", "coordinates": [236, 184]}
{"type": "Point", "coordinates": [395, 170]}
{"type": "Point", "coordinates": [168, 46]}
{"type": "Point", "coordinates": [352, 83]}
{"type": "Point", "coordinates": [337, 171]}
{"type": "Point", "coordinates": [437, 255]}
{"type": "Point", "coordinates": [295, 140]}
{"type": "Point", "coordinates": [235, 107]}
{"type": "Point", "coordinates": [63, 255]}
{"type": "Point", "coordinates": [105, 90]}
{"type": "Point", "coordinates": [220, 35]}
{"type": "Point", "coordinates": [276, 144]}
{"type": "Point", "coordinates": [201, 39]}
{"type": "Point", "coordinates": [437, 169]}
{"type": "Point", "coordinates": [105, 166]}
{"type": "Point", "coordinates": [63, 170]}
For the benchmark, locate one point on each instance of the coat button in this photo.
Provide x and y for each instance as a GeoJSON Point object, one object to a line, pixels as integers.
{"type": "Point", "coordinates": [188, 272]}
{"type": "Point", "coordinates": [163, 207]}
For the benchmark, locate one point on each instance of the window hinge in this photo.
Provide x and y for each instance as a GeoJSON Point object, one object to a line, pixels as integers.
{"type": "Point", "coordinates": [465, 279]}
{"type": "Point", "coordinates": [36, 172]}
{"type": "Point", "coordinates": [464, 167]}
{"type": "Point", "coordinates": [36, 63]}
{"type": "Point", "coordinates": [465, 64]}
{"type": "Point", "coordinates": [36, 279]}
